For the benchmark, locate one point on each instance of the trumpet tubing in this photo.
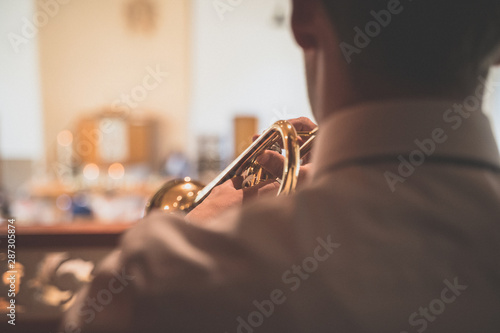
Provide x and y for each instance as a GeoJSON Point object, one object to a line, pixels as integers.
{"type": "Point", "coordinates": [186, 194]}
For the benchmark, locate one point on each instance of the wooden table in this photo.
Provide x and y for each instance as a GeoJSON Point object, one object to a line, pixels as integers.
{"type": "Point", "coordinates": [68, 235]}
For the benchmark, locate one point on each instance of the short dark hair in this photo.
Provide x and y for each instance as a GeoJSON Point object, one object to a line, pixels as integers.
{"type": "Point", "coordinates": [440, 43]}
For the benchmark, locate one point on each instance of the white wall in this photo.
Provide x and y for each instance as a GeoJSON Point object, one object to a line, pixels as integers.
{"type": "Point", "coordinates": [492, 104]}
{"type": "Point", "coordinates": [90, 57]}
{"type": "Point", "coordinates": [244, 65]}
{"type": "Point", "coordinates": [20, 102]}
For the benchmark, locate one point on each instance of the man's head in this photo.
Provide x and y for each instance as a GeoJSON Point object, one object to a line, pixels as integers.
{"type": "Point", "coordinates": [399, 48]}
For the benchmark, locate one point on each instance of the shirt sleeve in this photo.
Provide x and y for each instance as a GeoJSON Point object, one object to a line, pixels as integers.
{"type": "Point", "coordinates": [164, 273]}
{"type": "Point", "coordinates": [106, 304]}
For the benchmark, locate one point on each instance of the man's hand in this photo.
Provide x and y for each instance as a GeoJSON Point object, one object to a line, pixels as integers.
{"type": "Point", "coordinates": [226, 196]}
{"type": "Point", "coordinates": [230, 194]}
{"type": "Point", "coordinates": [273, 162]}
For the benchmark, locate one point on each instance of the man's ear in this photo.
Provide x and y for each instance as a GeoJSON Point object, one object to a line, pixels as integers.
{"type": "Point", "coordinates": [304, 22]}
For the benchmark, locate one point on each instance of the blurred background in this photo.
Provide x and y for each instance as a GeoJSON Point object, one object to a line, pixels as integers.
{"type": "Point", "coordinates": [101, 101]}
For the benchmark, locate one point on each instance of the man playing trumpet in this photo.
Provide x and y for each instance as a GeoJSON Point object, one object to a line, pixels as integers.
{"type": "Point", "coordinates": [396, 226]}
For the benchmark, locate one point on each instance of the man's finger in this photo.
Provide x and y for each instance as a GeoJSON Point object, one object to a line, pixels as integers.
{"type": "Point", "coordinates": [237, 182]}
{"type": "Point", "coordinates": [272, 162]}
{"type": "Point", "coordinates": [302, 124]}
{"type": "Point", "coordinates": [269, 187]}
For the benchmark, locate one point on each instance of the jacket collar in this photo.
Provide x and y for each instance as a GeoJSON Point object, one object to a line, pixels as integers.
{"type": "Point", "coordinates": [458, 129]}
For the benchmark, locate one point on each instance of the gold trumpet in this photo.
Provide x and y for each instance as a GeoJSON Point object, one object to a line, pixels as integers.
{"type": "Point", "coordinates": [185, 194]}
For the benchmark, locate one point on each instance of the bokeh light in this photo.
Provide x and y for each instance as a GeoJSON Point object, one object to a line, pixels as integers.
{"type": "Point", "coordinates": [116, 171]}
{"type": "Point", "coordinates": [65, 138]}
{"type": "Point", "coordinates": [63, 202]}
{"type": "Point", "coordinates": [91, 171]}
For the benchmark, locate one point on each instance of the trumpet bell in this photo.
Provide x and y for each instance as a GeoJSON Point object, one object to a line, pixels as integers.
{"type": "Point", "coordinates": [175, 195]}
